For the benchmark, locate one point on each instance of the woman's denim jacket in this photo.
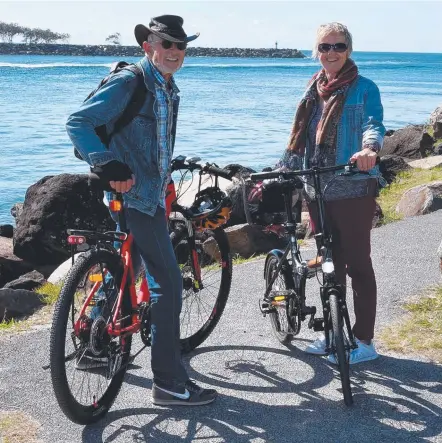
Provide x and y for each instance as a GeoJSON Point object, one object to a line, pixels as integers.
{"type": "Point", "coordinates": [136, 144]}
{"type": "Point", "coordinates": [361, 123]}
{"type": "Point", "coordinates": [361, 120]}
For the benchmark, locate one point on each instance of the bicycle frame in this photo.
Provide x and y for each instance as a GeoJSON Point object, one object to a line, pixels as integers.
{"type": "Point", "coordinates": [128, 277]}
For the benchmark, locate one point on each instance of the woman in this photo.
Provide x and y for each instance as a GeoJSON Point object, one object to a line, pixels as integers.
{"type": "Point", "coordinates": [339, 119]}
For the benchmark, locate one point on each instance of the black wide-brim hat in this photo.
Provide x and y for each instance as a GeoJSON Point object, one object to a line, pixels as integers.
{"type": "Point", "coordinates": [167, 27]}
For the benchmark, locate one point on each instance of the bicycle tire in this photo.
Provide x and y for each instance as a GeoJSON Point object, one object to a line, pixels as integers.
{"type": "Point", "coordinates": [339, 346]}
{"type": "Point", "coordinates": [77, 411]}
{"type": "Point", "coordinates": [209, 313]}
{"type": "Point", "coordinates": [282, 334]}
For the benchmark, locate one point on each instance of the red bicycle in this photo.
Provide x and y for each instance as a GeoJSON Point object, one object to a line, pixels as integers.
{"type": "Point", "coordinates": [102, 302]}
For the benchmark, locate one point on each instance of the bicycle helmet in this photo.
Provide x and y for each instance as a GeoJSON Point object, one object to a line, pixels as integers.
{"type": "Point", "coordinates": [211, 208]}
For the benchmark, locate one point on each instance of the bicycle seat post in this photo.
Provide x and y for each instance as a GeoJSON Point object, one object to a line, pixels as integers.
{"type": "Point", "coordinates": [290, 225]}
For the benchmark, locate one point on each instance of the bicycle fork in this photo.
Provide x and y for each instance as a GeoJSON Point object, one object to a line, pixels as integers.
{"type": "Point", "coordinates": [325, 292]}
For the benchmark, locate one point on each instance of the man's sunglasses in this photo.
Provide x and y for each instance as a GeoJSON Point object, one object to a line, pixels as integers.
{"type": "Point", "coordinates": [166, 44]}
{"type": "Point", "coordinates": [327, 47]}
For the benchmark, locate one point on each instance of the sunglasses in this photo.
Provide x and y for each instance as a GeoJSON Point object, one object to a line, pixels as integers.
{"type": "Point", "coordinates": [327, 47]}
{"type": "Point", "coordinates": [166, 44]}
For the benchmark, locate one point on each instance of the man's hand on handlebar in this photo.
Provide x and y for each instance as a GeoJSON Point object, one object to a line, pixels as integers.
{"type": "Point", "coordinates": [115, 174]}
{"type": "Point", "coordinates": [122, 186]}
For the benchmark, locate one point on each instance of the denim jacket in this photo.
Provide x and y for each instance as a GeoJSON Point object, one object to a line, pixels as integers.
{"type": "Point", "coordinates": [361, 121]}
{"type": "Point", "coordinates": [136, 144]}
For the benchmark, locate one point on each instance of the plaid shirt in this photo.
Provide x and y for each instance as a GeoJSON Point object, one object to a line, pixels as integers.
{"type": "Point", "coordinates": [165, 94]}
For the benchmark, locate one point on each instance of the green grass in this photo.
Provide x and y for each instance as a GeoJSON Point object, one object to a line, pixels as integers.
{"type": "Point", "coordinates": [49, 293]}
{"type": "Point", "coordinates": [238, 260]}
{"type": "Point", "coordinates": [8, 324]}
{"type": "Point", "coordinates": [430, 130]}
{"type": "Point", "coordinates": [390, 196]}
{"type": "Point", "coordinates": [420, 331]}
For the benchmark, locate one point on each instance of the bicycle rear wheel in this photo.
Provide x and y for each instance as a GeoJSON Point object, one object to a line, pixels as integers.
{"type": "Point", "coordinates": [280, 310]}
{"type": "Point", "coordinates": [340, 344]}
{"type": "Point", "coordinates": [87, 364]}
{"type": "Point", "coordinates": [202, 305]}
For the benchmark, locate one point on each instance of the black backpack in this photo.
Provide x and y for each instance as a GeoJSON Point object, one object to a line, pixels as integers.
{"type": "Point", "coordinates": [132, 109]}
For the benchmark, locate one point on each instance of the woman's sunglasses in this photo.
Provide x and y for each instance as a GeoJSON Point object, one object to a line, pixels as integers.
{"type": "Point", "coordinates": [327, 47]}
{"type": "Point", "coordinates": [166, 44]}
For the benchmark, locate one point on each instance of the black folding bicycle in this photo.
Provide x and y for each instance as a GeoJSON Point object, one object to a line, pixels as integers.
{"type": "Point", "coordinates": [286, 274]}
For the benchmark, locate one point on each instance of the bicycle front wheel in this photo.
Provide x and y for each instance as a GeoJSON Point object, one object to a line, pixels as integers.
{"type": "Point", "coordinates": [203, 304]}
{"type": "Point", "coordinates": [340, 352]}
{"type": "Point", "coordinates": [87, 364]}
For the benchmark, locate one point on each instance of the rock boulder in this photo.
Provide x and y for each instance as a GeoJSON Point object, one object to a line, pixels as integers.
{"type": "Point", "coordinates": [11, 267]}
{"type": "Point", "coordinates": [6, 231]}
{"type": "Point", "coordinates": [52, 205]}
{"type": "Point", "coordinates": [409, 142]}
{"type": "Point", "coordinates": [17, 303]}
{"type": "Point", "coordinates": [391, 165]}
{"type": "Point", "coordinates": [28, 281]}
{"type": "Point", "coordinates": [421, 200]}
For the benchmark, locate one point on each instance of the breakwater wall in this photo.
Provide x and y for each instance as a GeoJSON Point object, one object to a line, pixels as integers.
{"type": "Point", "coordinates": [136, 51]}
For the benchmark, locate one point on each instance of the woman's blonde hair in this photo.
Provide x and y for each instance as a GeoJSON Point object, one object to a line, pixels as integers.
{"type": "Point", "coordinates": [330, 28]}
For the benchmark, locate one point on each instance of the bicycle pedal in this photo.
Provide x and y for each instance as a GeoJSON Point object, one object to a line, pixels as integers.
{"type": "Point", "coordinates": [318, 324]}
{"type": "Point", "coordinates": [265, 307]}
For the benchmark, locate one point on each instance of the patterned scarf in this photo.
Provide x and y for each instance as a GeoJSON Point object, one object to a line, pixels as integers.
{"type": "Point", "coordinates": [334, 93]}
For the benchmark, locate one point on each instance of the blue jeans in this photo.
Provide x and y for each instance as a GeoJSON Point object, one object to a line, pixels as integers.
{"type": "Point", "coordinates": [152, 245]}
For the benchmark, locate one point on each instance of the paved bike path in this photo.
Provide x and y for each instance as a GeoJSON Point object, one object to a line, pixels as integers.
{"type": "Point", "coordinates": [269, 393]}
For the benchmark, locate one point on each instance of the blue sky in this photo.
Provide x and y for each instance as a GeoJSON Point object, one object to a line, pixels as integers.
{"type": "Point", "coordinates": [375, 25]}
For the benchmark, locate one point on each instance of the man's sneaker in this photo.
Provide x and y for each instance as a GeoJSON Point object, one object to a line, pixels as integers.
{"type": "Point", "coordinates": [362, 353]}
{"type": "Point", "coordinates": [317, 347]}
{"type": "Point", "coordinates": [190, 395]}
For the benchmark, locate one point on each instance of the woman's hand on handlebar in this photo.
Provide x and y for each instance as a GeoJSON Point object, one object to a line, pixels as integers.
{"type": "Point", "coordinates": [365, 159]}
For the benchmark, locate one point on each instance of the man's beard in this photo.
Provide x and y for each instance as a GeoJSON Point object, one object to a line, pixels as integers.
{"type": "Point", "coordinates": [165, 69]}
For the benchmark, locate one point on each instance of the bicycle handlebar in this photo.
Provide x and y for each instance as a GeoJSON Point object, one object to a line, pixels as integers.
{"type": "Point", "coordinates": [221, 172]}
{"type": "Point", "coordinates": [207, 168]}
{"type": "Point", "coordinates": [287, 175]}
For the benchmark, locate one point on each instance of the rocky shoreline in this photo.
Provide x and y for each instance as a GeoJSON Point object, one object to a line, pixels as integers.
{"type": "Point", "coordinates": [136, 51]}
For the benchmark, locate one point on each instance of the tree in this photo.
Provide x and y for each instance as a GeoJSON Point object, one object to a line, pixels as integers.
{"type": "Point", "coordinates": [64, 37]}
{"type": "Point", "coordinates": [114, 38]}
{"type": "Point", "coordinates": [9, 30]}
{"type": "Point", "coordinates": [30, 35]}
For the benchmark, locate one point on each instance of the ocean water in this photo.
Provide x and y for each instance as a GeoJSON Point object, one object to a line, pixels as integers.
{"type": "Point", "coordinates": [232, 110]}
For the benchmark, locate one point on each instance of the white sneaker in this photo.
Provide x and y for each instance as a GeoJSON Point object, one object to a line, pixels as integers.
{"type": "Point", "coordinates": [317, 347]}
{"type": "Point", "coordinates": [362, 353]}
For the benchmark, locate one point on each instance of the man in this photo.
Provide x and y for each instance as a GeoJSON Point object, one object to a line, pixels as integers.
{"type": "Point", "coordinates": [137, 164]}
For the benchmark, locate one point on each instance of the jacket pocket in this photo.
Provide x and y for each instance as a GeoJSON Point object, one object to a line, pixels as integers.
{"type": "Point", "coordinates": [142, 132]}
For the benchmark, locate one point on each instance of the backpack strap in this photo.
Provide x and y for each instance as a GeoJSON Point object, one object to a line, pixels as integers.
{"type": "Point", "coordinates": [134, 106]}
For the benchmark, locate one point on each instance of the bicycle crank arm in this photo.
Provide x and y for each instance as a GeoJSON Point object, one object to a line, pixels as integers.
{"type": "Point", "coordinates": [131, 360]}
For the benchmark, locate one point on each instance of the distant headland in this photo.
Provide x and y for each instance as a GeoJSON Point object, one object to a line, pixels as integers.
{"type": "Point", "coordinates": [136, 51]}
